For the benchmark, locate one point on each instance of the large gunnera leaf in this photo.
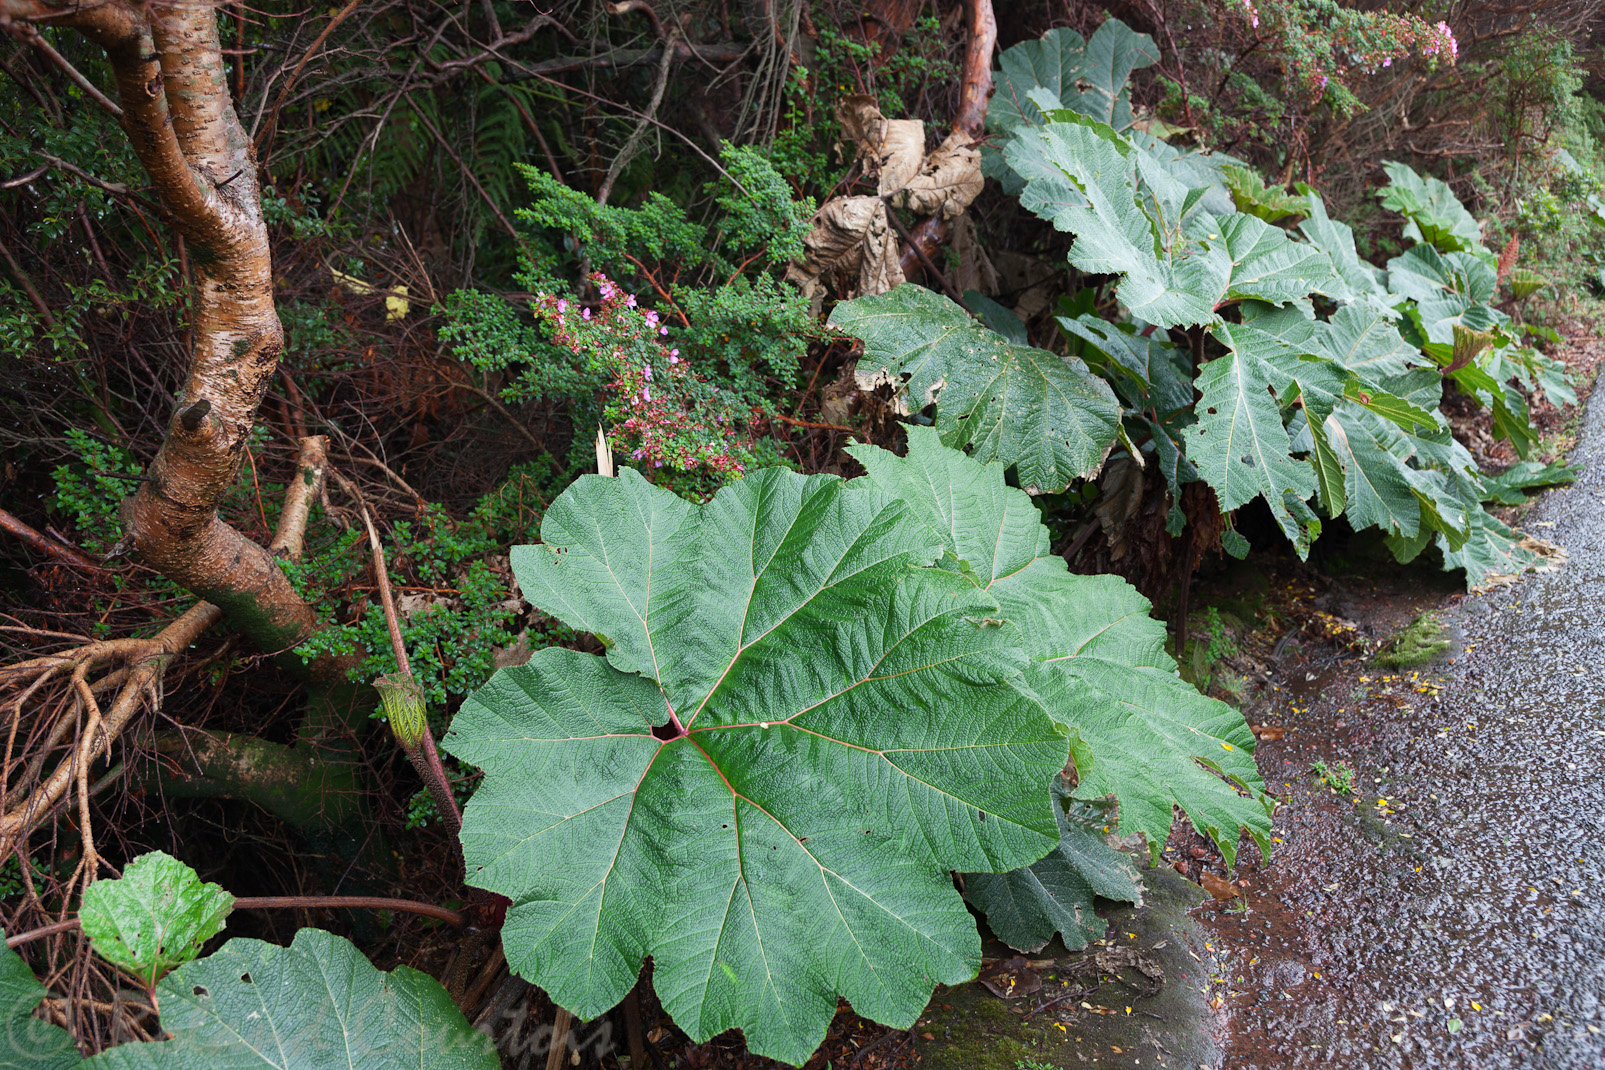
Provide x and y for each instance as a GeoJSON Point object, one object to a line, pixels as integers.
{"type": "Point", "coordinates": [316, 1004]}
{"type": "Point", "coordinates": [26, 1042]}
{"type": "Point", "coordinates": [1099, 665]}
{"type": "Point", "coordinates": [797, 732]}
{"type": "Point", "coordinates": [1046, 413]}
{"type": "Point", "coordinates": [1127, 213]}
{"type": "Point", "coordinates": [1434, 213]}
{"type": "Point", "coordinates": [1240, 444]}
{"type": "Point", "coordinates": [1090, 77]}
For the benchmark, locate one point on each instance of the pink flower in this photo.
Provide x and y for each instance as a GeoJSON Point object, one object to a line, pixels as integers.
{"type": "Point", "coordinates": [648, 372]}
{"type": "Point", "coordinates": [663, 330]}
{"type": "Point", "coordinates": [562, 305]}
{"type": "Point", "coordinates": [585, 313]}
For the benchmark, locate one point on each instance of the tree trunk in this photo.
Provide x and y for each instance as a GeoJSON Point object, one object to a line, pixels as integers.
{"type": "Point", "coordinates": [172, 83]}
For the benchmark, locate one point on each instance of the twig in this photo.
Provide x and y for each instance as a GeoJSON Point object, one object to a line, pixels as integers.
{"type": "Point", "coordinates": [638, 135]}
{"type": "Point", "coordinates": [783, 418]}
{"type": "Point", "coordinates": [266, 133]}
{"type": "Point", "coordinates": [924, 257]}
{"type": "Point", "coordinates": [49, 546]}
{"type": "Point", "coordinates": [299, 496]}
{"type": "Point", "coordinates": [26, 32]}
{"type": "Point", "coordinates": [468, 174]}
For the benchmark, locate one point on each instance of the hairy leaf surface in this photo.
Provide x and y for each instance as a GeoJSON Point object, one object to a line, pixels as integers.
{"type": "Point", "coordinates": [1028, 407]}
{"type": "Point", "coordinates": [315, 1005]}
{"type": "Point", "coordinates": [850, 728]}
{"type": "Point", "coordinates": [1100, 624]}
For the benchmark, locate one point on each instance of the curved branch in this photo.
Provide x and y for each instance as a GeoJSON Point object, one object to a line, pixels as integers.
{"type": "Point", "coordinates": [172, 81]}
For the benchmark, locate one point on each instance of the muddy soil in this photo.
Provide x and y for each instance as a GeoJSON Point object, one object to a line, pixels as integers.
{"type": "Point", "coordinates": [1446, 911]}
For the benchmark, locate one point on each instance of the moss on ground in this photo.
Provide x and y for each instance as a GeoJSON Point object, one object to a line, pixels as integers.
{"type": "Point", "coordinates": [1417, 643]}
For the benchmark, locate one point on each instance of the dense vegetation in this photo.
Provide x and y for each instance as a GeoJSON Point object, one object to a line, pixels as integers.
{"type": "Point", "coordinates": [762, 444]}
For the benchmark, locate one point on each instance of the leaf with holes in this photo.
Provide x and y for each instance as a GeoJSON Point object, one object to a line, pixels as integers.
{"type": "Point", "coordinates": [313, 1005]}
{"type": "Point", "coordinates": [1240, 444]}
{"type": "Point", "coordinates": [1028, 407]}
{"type": "Point", "coordinates": [155, 917]}
{"type": "Point", "coordinates": [796, 734]}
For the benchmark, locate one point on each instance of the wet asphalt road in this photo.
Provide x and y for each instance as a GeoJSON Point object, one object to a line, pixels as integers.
{"type": "Point", "coordinates": [1453, 915]}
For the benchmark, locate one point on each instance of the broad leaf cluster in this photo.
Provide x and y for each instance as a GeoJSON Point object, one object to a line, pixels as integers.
{"type": "Point", "coordinates": [819, 698]}
{"type": "Point", "coordinates": [1321, 374]}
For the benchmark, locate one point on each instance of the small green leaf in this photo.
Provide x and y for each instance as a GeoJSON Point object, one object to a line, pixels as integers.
{"type": "Point", "coordinates": [154, 918]}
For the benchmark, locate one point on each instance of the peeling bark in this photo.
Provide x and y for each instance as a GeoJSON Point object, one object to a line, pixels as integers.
{"type": "Point", "coordinates": [173, 88]}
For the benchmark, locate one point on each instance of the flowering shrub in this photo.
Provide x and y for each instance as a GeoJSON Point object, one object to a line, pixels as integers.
{"type": "Point", "coordinates": [1323, 41]}
{"type": "Point", "coordinates": [657, 410]}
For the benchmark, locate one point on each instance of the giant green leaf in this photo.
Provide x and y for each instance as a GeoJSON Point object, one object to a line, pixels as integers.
{"type": "Point", "coordinates": [1028, 407]}
{"type": "Point", "coordinates": [153, 918]}
{"type": "Point", "coordinates": [316, 1004]}
{"type": "Point", "coordinates": [1364, 340]}
{"type": "Point", "coordinates": [1027, 906]}
{"type": "Point", "coordinates": [1422, 273]}
{"type": "Point", "coordinates": [998, 535]}
{"type": "Point", "coordinates": [26, 1042]}
{"type": "Point", "coordinates": [813, 732]}
{"type": "Point", "coordinates": [1114, 235]}
{"type": "Point", "coordinates": [1239, 444]}
{"type": "Point", "coordinates": [1433, 212]}
{"type": "Point", "coordinates": [1246, 258]}
{"type": "Point", "coordinates": [1359, 280]}
{"type": "Point", "coordinates": [1380, 487]}
{"type": "Point", "coordinates": [1090, 77]}
{"type": "Point", "coordinates": [1490, 553]}
{"type": "Point", "coordinates": [1148, 760]}
{"type": "Point", "coordinates": [1157, 743]}
{"type": "Point", "coordinates": [1132, 226]}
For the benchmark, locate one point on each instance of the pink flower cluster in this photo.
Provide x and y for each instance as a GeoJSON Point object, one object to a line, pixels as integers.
{"type": "Point", "coordinates": [658, 410]}
{"type": "Point", "coordinates": [1440, 41]}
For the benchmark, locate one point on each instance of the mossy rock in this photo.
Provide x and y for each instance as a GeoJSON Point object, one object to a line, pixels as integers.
{"type": "Point", "coordinates": [1420, 641]}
